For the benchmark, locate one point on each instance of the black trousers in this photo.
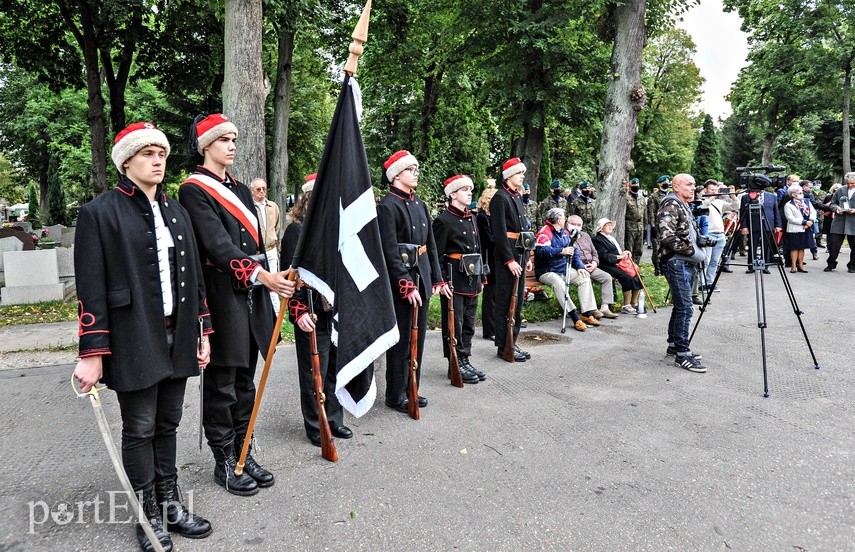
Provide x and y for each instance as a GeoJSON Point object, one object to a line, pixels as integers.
{"type": "Point", "coordinates": [150, 419]}
{"type": "Point", "coordinates": [488, 307]}
{"type": "Point", "coordinates": [229, 398]}
{"type": "Point", "coordinates": [398, 357]}
{"type": "Point", "coordinates": [465, 307]}
{"type": "Point", "coordinates": [327, 362]}
{"type": "Point", "coordinates": [504, 290]}
{"type": "Point", "coordinates": [834, 243]}
{"type": "Point", "coordinates": [768, 248]}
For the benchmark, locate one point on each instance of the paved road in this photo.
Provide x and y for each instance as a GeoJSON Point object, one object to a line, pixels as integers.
{"type": "Point", "coordinates": [598, 443]}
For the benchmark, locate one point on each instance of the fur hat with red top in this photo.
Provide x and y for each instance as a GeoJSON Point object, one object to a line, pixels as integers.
{"type": "Point", "coordinates": [397, 162]}
{"type": "Point", "coordinates": [211, 128]}
{"type": "Point", "coordinates": [310, 183]}
{"type": "Point", "coordinates": [132, 139]}
{"type": "Point", "coordinates": [456, 182]}
{"type": "Point", "coordinates": [512, 167]}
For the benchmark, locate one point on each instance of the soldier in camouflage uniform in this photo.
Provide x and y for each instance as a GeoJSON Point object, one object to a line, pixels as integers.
{"type": "Point", "coordinates": [555, 199]}
{"type": "Point", "coordinates": [662, 184]}
{"type": "Point", "coordinates": [529, 205]}
{"type": "Point", "coordinates": [583, 207]}
{"type": "Point", "coordinates": [635, 219]}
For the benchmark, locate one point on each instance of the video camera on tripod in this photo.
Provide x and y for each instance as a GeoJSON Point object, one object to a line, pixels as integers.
{"type": "Point", "coordinates": [756, 179]}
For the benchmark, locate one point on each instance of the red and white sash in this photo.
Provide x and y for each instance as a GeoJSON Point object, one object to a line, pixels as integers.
{"type": "Point", "coordinates": [229, 201]}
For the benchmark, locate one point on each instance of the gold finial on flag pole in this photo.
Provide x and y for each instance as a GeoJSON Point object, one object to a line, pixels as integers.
{"type": "Point", "coordinates": [360, 36]}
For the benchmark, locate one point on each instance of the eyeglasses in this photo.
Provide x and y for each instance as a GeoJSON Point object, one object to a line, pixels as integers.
{"type": "Point", "coordinates": [413, 170]}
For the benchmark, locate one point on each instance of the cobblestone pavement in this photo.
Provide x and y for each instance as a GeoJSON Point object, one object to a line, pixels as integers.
{"type": "Point", "coordinates": [597, 443]}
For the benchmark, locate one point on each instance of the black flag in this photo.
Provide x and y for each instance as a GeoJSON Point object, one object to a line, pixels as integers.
{"type": "Point", "coordinates": [339, 254]}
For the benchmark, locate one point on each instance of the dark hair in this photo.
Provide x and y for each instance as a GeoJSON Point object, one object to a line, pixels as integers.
{"type": "Point", "coordinates": [298, 211]}
{"type": "Point", "coordinates": [193, 155]}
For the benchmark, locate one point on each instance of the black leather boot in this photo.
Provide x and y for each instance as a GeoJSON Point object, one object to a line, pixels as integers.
{"type": "Point", "coordinates": [178, 517]}
{"type": "Point", "coordinates": [262, 477]}
{"type": "Point", "coordinates": [225, 476]}
{"type": "Point", "coordinates": [151, 509]}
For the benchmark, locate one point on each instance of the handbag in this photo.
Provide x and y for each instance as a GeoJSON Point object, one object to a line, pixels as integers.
{"type": "Point", "coordinates": [627, 266]}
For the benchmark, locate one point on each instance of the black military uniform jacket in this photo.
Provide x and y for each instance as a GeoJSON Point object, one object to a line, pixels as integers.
{"type": "Point", "coordinates": [225, 248]}
{"type": "Point", "coordinates": [455, 232]}
{"type": "Point", "coordinates": [507, 215]}
{"type": "Point", "coordinates": [403, 218]}
{"type": "Point", "coordinates": [120, 305]}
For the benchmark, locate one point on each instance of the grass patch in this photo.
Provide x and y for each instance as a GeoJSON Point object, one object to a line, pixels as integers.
{"type": "Point", "coordinates": [38, 313]}
{"type": "Point", "coordinates": [541, 311]}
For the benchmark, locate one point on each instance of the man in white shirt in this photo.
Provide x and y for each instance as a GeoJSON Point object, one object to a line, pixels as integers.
{"type": "Point", "coordinates": [268, 216]}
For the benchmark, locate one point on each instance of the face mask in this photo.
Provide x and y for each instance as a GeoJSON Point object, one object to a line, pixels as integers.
{"type": "Point", "coordinates": [585, 193]}
{"type": "Point", "coordinates": [634, 188]}
{"type": "Point", "coordinates": [800, 196]}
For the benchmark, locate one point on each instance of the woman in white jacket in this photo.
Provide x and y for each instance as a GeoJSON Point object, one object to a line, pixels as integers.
{"type": "Point", "coordinates": [801, 216]}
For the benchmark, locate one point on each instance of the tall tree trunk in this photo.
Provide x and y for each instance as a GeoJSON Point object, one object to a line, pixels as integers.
{"type": "Point", "coordinates": [624, 99]}
{"type": "Point", "coordinates": [431, 98]}
{"type": "Point", "coordinates": [117, 82]}
{"type": "Point", "coordinates": [530, 150]}
{"type": "Point", "coordinates": [95, 115]}
{"type": "Point", "coordinates": [278, 184]}
{"type": "Point", "coordinates": [244, 87]}
{"type": "Point", "coordinates": [847, 100]}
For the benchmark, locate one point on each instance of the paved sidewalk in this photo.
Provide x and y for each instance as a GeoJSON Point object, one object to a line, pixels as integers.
{"type": "Point", "coordinates": [597, 443]}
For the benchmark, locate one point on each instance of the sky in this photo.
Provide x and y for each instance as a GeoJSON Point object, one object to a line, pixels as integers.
{"type": "Point", "coordinates": [721, 51]}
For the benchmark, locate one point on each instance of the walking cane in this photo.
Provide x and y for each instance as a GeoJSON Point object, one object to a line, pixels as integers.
{"type": "Point", "coordinates": [644, 287]}
{"type": "Point", "coordinates": [566, 295]}
{"type": "Point", "coordinates": [259, 393]}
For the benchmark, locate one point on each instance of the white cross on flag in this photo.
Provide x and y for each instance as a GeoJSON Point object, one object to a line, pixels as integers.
{"type": "Point", "coordinates": [339, 254]}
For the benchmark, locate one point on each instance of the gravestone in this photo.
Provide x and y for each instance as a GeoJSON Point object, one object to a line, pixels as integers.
{"type": "Point", "coordinates": [31, 277]}
{"type": "Point", "coordinates": [67, 239]}
{"type": "Point", "coordinates": [25, 238]}
{"type": "Point", "coordinates": [65, 261]}
{"type": "Point", "coordinates": [9, 244]}
{"type": "Point", "coordinates": [54, 232]}
{"type": "Point", "coordinates": [25, 225]}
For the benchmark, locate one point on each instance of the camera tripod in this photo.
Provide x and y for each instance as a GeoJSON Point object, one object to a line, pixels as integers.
{"type": "Point", "coordinates": [763, 253]}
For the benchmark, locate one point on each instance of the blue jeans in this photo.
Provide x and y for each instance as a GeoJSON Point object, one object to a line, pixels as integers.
{"type": "Point", "coordinates": [679, 275]}
{"type": "Point", "coordinates": [714, 255]}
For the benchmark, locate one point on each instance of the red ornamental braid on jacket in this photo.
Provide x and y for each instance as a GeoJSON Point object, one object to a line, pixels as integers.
{"type": "Point", "coordinates": [243, 316]}
{"type": "Point", "coordinates": [674, 220]}
{"type": "Point", "coordinates": [121, 314]}
{"type": "Point", "coordinates": [403, 218]}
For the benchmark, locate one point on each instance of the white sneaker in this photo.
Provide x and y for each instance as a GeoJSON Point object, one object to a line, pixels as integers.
{"type": "Point", "coordinates": [627, 309]}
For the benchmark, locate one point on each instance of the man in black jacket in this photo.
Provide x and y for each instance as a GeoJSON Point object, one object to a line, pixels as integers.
{"type": "Point", "coordinates": [458, 244]}
{"type": "Point", "coordinates": [508, 220]}
{"type": "Point", "coordinates": [230, 246]}
{"type": "Point", "coordinates": [141, 300]}
{"type": "Point", "coordinates": [405, 230]}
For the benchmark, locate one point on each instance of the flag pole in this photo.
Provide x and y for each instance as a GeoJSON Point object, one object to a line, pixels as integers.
{"type": "Point", "coordinates": [360, 37]}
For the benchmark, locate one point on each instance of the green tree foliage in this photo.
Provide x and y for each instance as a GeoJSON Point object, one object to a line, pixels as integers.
{"type": "Point", "coordinates": [34, 211]}
{"type": "Point", "coordinates": [57, 211]}
{"type": "Point", "coordinates": [666, 128]}
{"type": "Point", "coordinates": [707, 162]}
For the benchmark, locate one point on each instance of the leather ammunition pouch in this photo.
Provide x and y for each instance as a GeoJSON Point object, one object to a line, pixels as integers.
{"type": "Point", "coordinates": [409, 253]}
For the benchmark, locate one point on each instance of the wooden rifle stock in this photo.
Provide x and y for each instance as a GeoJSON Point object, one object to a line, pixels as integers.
{"type": "Point", "coordinates": [508, 351]}
{"type": "Point", "coordinates": [328, 450]}
{"type": "Point", "coordinates": [413, 386]}
{"type": "Point", "coordinates": [453, 363]}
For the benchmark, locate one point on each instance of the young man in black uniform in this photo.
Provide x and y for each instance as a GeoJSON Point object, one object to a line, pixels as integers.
{"type": "Point", "coordinates": [405, 227]}
{"type": "Point", "coordinates": [231, 246]}
{"type": "Point", "coordinates": [459, 249]}
{"type": "Point", "coordinates": [141, 299]}
{"type": "Point", "coordinates": [508, 221]}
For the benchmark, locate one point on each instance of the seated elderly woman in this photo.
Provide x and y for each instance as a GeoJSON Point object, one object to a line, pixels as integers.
{"type": "Point", "coordinates": [551, 254]}
{"type": "Point", "coordinates": [609, 251]}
